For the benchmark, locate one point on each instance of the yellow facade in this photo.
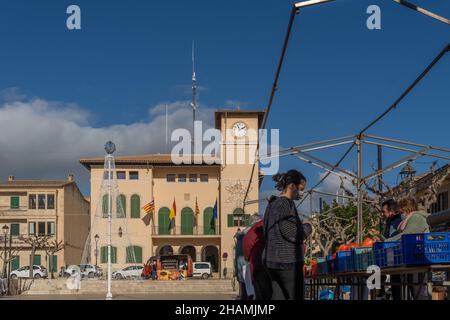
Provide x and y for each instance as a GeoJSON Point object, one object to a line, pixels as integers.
{"type": "Point", "coordinates": [226, 182]}
{"type": "Point", "coordinates": [59, 211]}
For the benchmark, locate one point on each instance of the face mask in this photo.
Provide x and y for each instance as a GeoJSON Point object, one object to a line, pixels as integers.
{"type": "Point", "coordinates": [299, 195]}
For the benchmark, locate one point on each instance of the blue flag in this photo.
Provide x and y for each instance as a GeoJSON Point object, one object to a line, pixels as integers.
{"type": "Point", "coordinates": [215, 211]}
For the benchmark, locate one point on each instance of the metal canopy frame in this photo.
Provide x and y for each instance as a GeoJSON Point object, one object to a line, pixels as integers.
{"type": "Point", "coordinates": [302, 153]}
{"type": "Point", "coordinates": [358, 180]}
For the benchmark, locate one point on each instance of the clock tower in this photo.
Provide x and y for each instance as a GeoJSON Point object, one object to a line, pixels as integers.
{"type": "Point", "coordinates": [239, 171]}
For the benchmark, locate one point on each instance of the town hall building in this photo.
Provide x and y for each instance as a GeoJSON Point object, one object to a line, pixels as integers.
{"type": "Point", "coordinates": [195, 188]}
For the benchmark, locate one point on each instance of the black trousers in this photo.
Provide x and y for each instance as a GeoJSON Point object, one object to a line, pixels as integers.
{"type": "Point", "coordinates": [287, 284]}
{"type": "Point", "coordinates": [262, 285]}
{"type": "Point", "coordinates": [396, 290]}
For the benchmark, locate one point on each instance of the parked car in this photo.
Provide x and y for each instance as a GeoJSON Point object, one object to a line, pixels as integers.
{"type": "Point", "coordinates": [86, 270]}
{"type": "Point", "coordinates": [24, 272]}
{"type": "Point", "coordinates": [128, 272]}
{"type": "Point", "coordinates": [202, 270]}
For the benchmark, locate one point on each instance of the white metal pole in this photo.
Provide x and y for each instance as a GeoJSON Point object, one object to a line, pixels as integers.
{"type": "Point", "coordinates": [109, 294]}
{"type": "Point", "coordinates": [360, 197]}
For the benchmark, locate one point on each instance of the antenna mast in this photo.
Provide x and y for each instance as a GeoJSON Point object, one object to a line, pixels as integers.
{"type": "Point", "coordinates": [194, 96]}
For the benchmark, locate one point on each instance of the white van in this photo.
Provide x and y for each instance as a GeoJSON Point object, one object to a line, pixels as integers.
{"type": "Point", "coordinates": [201, 270]}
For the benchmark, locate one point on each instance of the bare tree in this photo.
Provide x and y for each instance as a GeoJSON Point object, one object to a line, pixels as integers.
{"type": "Point", "coordinates": [52, 247]}
{"type": "Point", "coordinates": [36, 243]}
{"type": "Point", "coordinates": [7, 258]}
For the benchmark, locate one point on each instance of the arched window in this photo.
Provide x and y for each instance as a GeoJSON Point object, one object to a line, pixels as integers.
{"type": "Point", "coordinates": [163, 220]}
{"type": "Point", "coordinates": [134, 254]}
{"type": "Point", "coordinates": [135, 206]}
{"type": "Point", "coordinates": [121, 206]}
{"type": "Point", "coordinates": [187, 221]}
{"type": "Point", "coordinates": [209, 223]}
{"type": "Point", "coordinates": [104, 254]}
{"type": "Point", "coordinates": [105, 206]}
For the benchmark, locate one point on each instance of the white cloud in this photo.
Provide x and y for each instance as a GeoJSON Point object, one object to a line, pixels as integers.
{"type": "Point", "coordinates": [40, 139]}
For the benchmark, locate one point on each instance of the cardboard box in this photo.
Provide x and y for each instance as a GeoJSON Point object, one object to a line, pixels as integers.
{"type": "Point", "coordinates": [438, 296]}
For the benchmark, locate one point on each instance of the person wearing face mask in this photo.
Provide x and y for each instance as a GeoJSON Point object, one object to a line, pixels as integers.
{"type": "Point", "coordinates": [414, 221]}
{"type": "Point", "coordinates": [284, 238]}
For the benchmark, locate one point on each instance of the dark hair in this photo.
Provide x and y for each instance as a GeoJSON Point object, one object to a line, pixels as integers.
{"type": "Point", "coordinates": [284, 179]}
{"type": "Point", "coordinates": [391, 204]}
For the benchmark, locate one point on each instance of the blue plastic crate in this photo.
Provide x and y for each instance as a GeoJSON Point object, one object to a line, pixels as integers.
{"type": "Point", "coordinates": [344, 261]}
{"type": "Point", "coordinates": [437, 247]}
{"type": "Point", "coordinates": [424, 249]}
{"type": "Point", "coordinates": [387, 254]}
{"type": "Point", "coordinates": [363, 258]}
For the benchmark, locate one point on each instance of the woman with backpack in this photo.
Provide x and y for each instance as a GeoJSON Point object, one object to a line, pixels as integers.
{"type": "Point", "coordinates": [284, 237]}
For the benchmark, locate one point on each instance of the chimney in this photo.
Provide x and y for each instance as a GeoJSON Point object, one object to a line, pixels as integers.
{"type": "Point", "coordinates": [70, 177]}
{"type": "Point", "coordinates": [11, 178]}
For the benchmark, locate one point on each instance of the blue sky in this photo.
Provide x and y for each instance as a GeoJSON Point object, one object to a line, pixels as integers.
{"type": "Point", "coordinates": [132, 56]}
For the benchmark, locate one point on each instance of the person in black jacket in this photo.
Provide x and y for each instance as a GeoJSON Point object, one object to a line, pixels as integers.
{"type": "Point", "coordinates": [283, 232]}
{"type": "Point", "coordinates": [392, 219]}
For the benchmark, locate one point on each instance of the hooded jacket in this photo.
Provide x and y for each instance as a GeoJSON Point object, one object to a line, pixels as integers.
{"type": "Point", "coordinates": [416, 224]}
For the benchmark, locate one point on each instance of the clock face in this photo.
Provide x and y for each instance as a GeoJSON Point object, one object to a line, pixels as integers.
{"type": "Point", "coordinates": [239, 129]}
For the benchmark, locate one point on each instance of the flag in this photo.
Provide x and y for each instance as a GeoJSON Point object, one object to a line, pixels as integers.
{"type": "Point", "coordinates": [172, 215]}
{"type": "Point", "coordinates": [213, 222]}
{"type": "Point", "coordinates": [149, 208]}
{"type": "Point", "coordinates": [197, 212]}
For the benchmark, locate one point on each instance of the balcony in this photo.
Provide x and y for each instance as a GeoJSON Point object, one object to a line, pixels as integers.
{"type": "Point", "coordinates": [7, 211]}
{"type": "Point", "coordinates": [18, 241]}
{"type": "Point", "coordinates": [183, 232]}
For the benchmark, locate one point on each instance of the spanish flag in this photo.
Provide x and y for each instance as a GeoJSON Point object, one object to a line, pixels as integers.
{"type": "Point", "coordinates": [172, 215]}
{"type": "Point", "coordinates": [197, 212]}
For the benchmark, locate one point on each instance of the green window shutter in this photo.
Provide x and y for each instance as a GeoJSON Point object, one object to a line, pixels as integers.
{"type": "Point", "coordinates": [208, 222]}
{"type": "Point", "coordinates": [37, 259]}
{"type": "Point", "coordinates": [187, 221]}
{"type": "Point", "coordinates": [53, 263]}
{"type": "Point", "coordinates": [15, 202]}
{"type": "Point", "coordinates": [230, 220]}
{"type": "Point", "coordinates": [104, 254]}
{"type": "Point", "coordinates": [163, 221]}
{"type": "Point", "coordinates": [134, 254]}
{"type": "Point", "coordinates": [15, 263]}
{"type": "Point", "coordinates": [135, 206]}
{"type": "Point", "coordinates": [246, 220]}
{"type": "Point", "coordinates": [113, 254]}
{"type": "Point", "coordinates": [121, 206]}
{"type": "Point", "coordinates": [15, 229]}
{"type": "Point", "coordinates": [105, 206]}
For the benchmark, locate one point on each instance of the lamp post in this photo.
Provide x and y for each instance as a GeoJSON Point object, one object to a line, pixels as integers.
{"type": "Point", "coordinates": [96, 237]}
{"type": "Point", "coordinates": [110, 147]}
{"type": "Point", "coordinates": [5, 230]}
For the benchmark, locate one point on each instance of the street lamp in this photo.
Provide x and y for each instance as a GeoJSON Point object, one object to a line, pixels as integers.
{"type": "Point", "coordinates": [5, 230]}
{"type": "Point", "coordinates": [110, 148]}
{"type": "Point", "coordinates": [96, 237]}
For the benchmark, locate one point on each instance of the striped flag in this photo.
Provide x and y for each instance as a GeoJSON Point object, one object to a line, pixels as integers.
{"type": "Point", "coordinates": [149, 208]}
{"type": "Point", "coordinates": [197, 212]}
{"type": "Point", "coordinates": [172, 215]}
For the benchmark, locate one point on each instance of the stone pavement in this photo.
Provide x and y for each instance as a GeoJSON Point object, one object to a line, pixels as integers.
{"type": "Point", "coordinates": [153, 296]}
